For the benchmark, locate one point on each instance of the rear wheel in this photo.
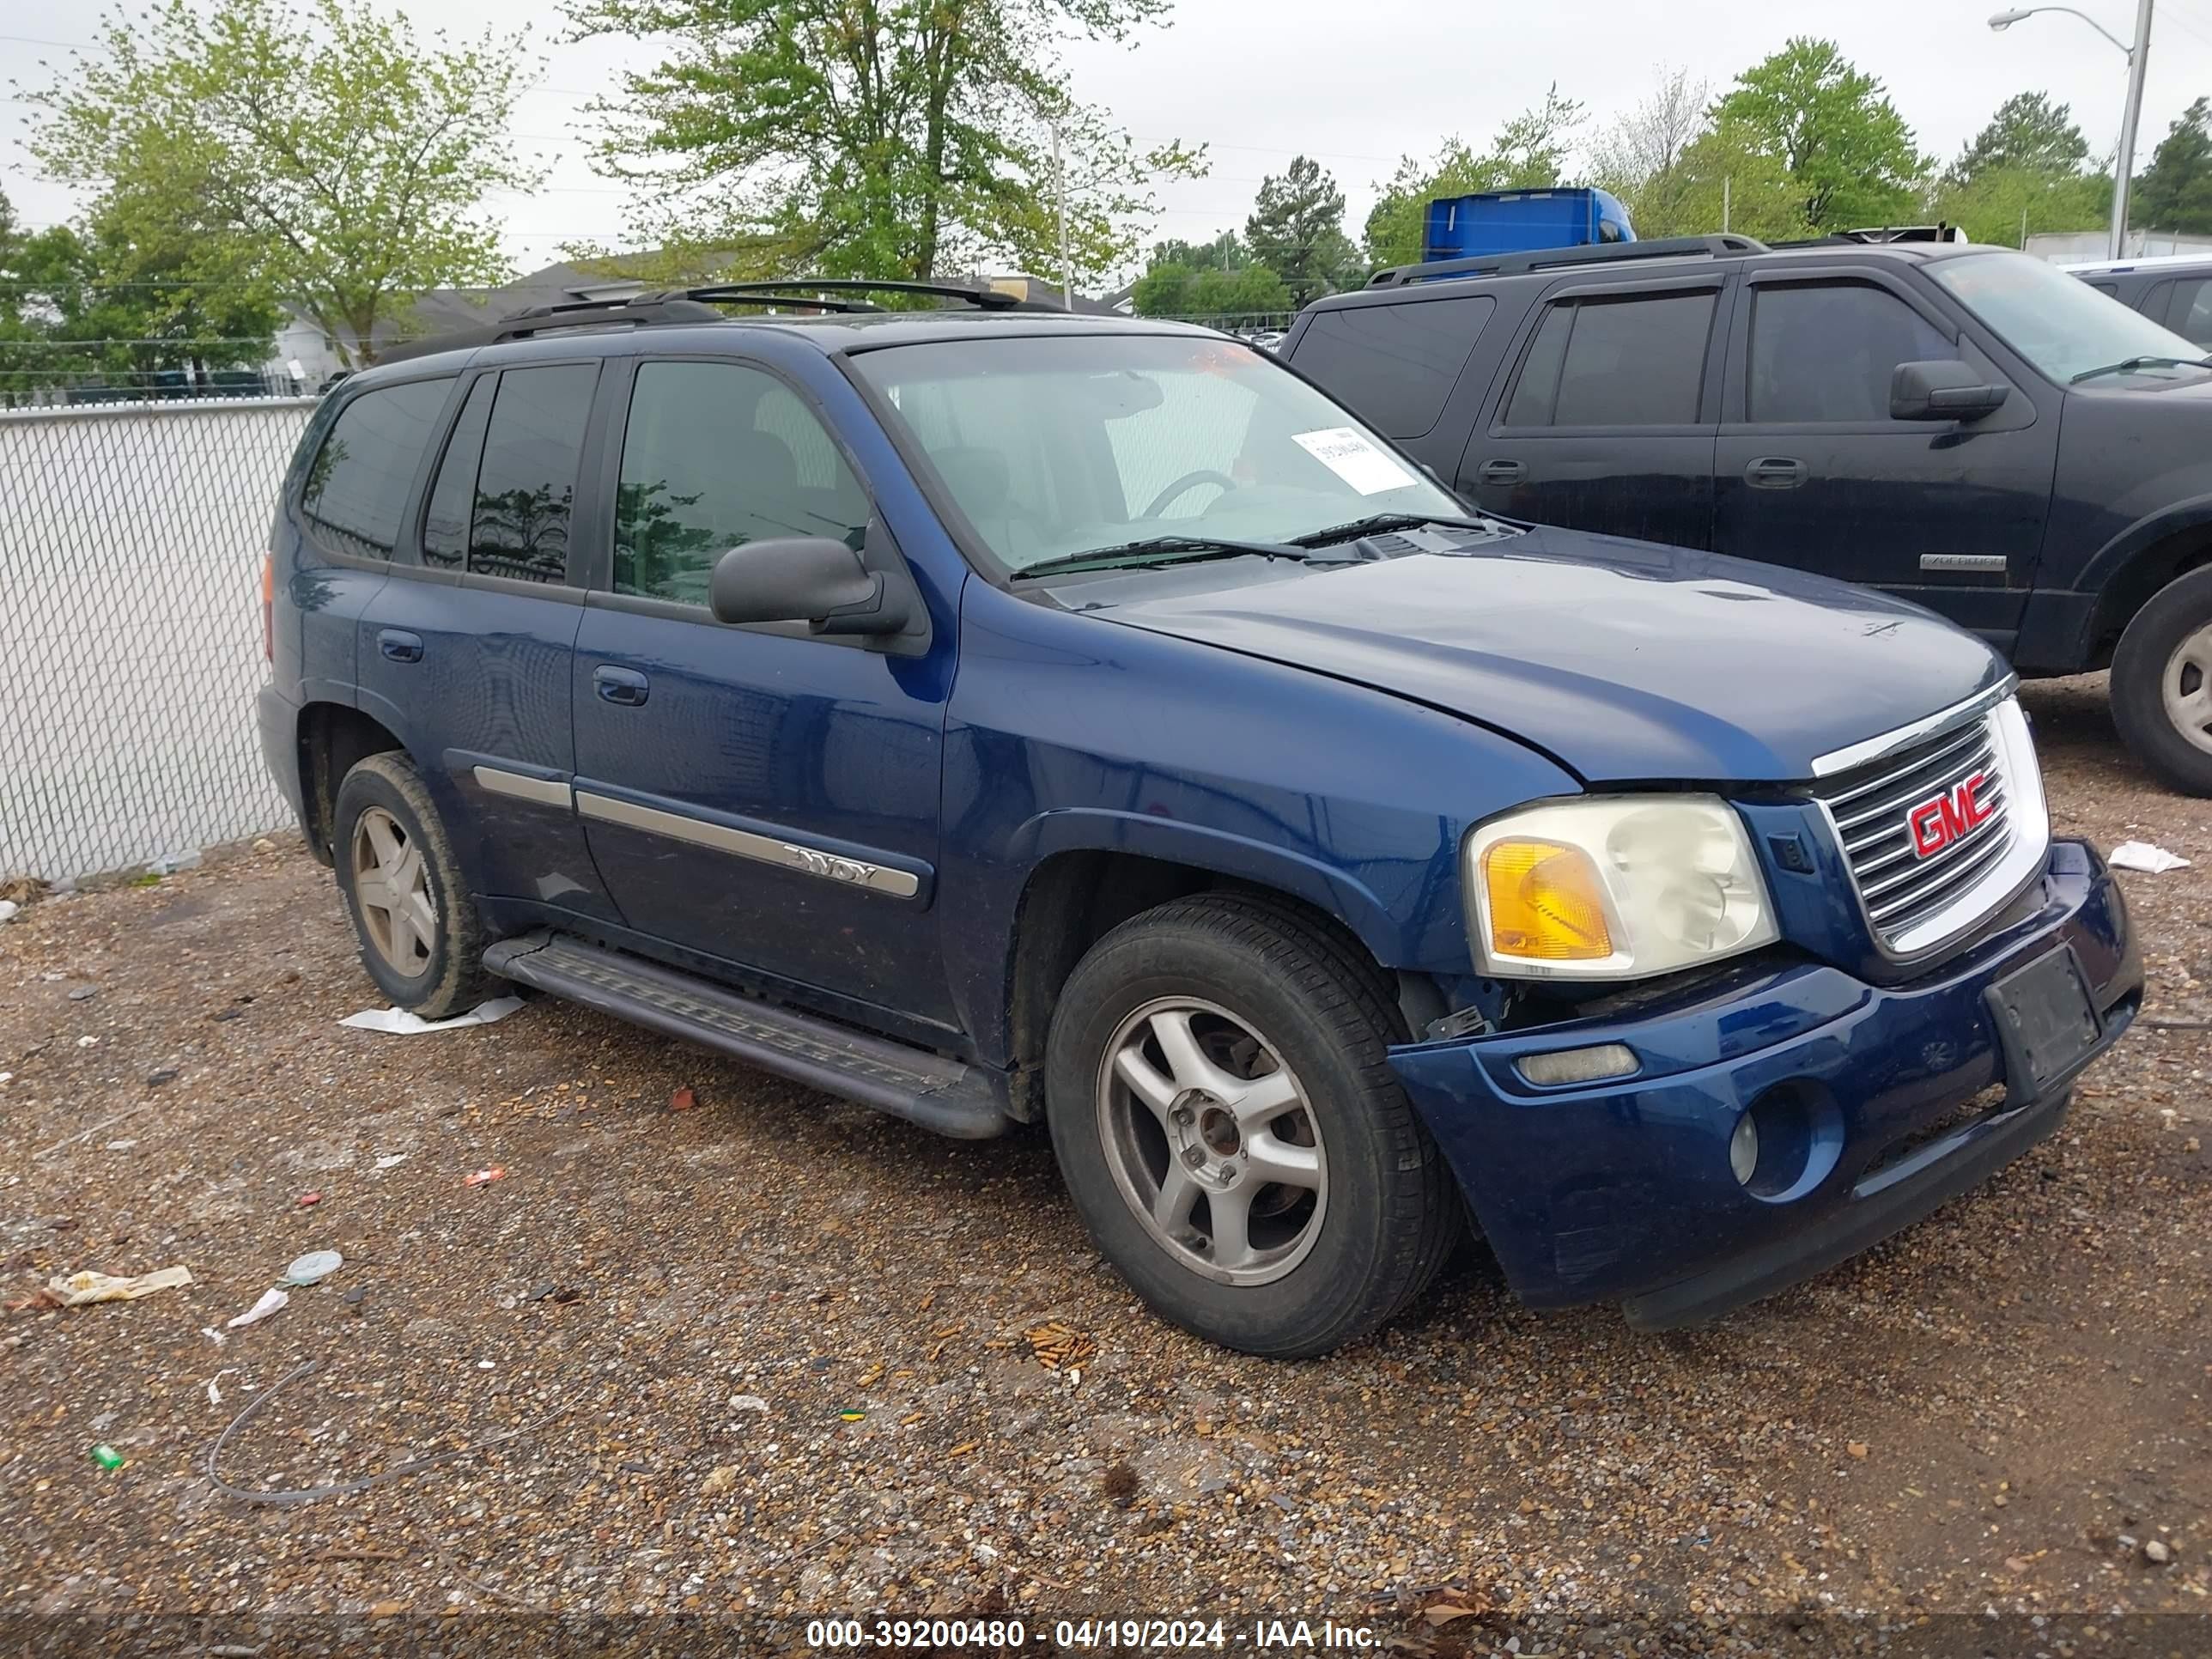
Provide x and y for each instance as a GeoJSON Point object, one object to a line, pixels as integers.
{"type": "Point", "coordinates": [2162, 683]}
{"type": "Point", "coordinates": [420, 938]}
{"type": "Point", "coordinates": [1228, 1124]}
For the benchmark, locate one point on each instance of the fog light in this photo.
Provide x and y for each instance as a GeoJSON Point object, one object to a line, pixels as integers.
{"type": "Point", "coordinates": [1578, 1064]}
{"type": "Point", "coordinates": [1743, 1150]}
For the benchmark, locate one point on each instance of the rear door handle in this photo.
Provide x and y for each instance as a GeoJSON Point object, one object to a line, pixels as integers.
{"type": "Point", "coordinates": [1501, 472]}
{"type": "Point", "coordinates": [1775, 472]}
{"type": "Point", "coordinates": [397, 645]}
{"type": "Point", "coordinates": [625, 686]}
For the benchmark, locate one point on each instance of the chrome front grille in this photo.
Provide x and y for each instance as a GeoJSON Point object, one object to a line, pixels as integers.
{"type": "Point", "coordinates": [1974, 790]}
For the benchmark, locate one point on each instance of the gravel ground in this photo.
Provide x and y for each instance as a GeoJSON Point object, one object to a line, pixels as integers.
{"type": "Point", "coordinates": [772, 1353]}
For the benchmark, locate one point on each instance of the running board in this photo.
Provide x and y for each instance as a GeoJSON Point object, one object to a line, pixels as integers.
{"type": "Point", "coordinates": [940, 1094]}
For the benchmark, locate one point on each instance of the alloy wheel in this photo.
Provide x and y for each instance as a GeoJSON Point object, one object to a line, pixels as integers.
{"type": "Point", "coordinates": [1213, 1141]}
{"type": "Point", "coordinates": [392, 886]}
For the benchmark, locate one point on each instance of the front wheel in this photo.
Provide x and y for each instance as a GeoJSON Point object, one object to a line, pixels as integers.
{"type": "Point", "coordinates": [1228, 1124]}
{"type": "Point", "coordinates": [2162, 683]}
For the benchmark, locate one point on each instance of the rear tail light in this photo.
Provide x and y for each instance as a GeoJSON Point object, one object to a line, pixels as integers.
{"type": "Point", "coordinates": [269, 606]}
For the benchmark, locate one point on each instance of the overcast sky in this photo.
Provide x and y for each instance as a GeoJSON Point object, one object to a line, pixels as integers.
{"type": "Point", "coordinates": [1354, 83]}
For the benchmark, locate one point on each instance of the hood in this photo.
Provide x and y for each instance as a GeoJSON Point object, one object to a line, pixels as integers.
{"type": "Point", "coordinates": [1625, 660]}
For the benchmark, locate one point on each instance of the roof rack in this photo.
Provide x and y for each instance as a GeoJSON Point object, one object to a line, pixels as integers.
{"type": "Point", "coordinates": [691, 305]}
{"type": "Point", "coordinates": [1508, 264]}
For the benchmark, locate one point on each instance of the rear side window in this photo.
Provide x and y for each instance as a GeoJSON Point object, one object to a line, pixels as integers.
{"type": "Point", "coordinates": [452, 496]}
{"type": "Point", "coordinates": [2191, 315]}
{"type": "Point", "coordinates": [357, 485]}
{"type": "Point", "coordinates": [1395, 364]}
{"type": "Point", "coordinates": [1617, 362]}
{"type": "Point", "coordinates": [716, 455]}
{"type": "Point", "coordinates": [504, 490]}
{"type": "Point", "coordinates": [1827, 351]}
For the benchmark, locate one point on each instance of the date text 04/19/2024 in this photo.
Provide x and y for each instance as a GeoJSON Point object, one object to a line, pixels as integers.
{"type": "Point", "coordinates": [1154, 1635]}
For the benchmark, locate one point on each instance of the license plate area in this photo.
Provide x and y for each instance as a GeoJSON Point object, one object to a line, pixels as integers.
{"type": "Point", "coordinates": [2045, 1023]}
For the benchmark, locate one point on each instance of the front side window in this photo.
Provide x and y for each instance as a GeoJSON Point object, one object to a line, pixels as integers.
{"type": "Point", "coordinates": [714, 456]}
{"type": "Point", "coordinates": [2064, 326]}
{"type": "Point", "coordinates": [1827, 352]}
{"type": "Point", "coordinates": [1638, 361]}
{"type": "Point", "coordinates": [357, 484]}
{"type": "Point", "coordinates": [1051, 446]}
{"type": "Point", "coordinates": [1396, 364]}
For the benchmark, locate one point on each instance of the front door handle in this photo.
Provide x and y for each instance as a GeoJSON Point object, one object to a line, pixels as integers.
{"type": "Point", "coordinates": [1501, 472]}
{"type": "Point", "coordinates": [397, 645]}
{"type": "Point", "coordinates": [625, 686]}
{"type": "Point", "coordinates": [1775, 472]}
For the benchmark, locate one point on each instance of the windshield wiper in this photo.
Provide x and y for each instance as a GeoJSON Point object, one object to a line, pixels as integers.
{"type": "Point", "coordinates": [1163, 548]}
{"type": "Point", "coordinates": [1380, 523]}
{"type": "Point", "coordinates": [2129, 365]}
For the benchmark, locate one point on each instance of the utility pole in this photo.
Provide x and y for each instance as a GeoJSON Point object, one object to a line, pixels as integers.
{"type": "Point", "coordinates": [1060, 190]}
{"type": "Point", "coordinates": [2123, 173]}
{"type": "Point", "coordinates": [1727, 180]}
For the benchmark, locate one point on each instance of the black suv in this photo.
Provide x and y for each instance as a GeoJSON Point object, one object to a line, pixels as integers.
{"type": "Point", "coordinates": [1965, 427]}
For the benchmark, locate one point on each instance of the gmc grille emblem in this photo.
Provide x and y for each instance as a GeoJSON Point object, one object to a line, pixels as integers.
{"type": "Point", "coordinates": [1950, 816]}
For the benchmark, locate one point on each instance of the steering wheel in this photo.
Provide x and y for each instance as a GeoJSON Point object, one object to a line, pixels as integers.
{"type": "Point", "coordinates": [1189, 481]}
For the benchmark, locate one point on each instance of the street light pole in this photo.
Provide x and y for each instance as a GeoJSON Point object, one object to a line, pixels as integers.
{"type": "Point", "coordinates": [2123, 174]}
{"type": "Point", "coordinates": [2138, 56]}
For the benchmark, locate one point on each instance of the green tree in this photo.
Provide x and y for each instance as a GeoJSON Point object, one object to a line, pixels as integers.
{"type": "Point", "coordinates": [1226, 251]}
{"type": "Point", "coordinates": [1724, 180]}
{"type": "Point", "coordinates": [2029, 134]}
{"type": "Point", "coordinates": [1164, 290]}
{"type": "Point", "coordinates": [2175, 191]}
{"type": "Point", "coordinates": [885, 138]}
{"type": "Point", "coordinates": [311, 151]}
{"type": "Point", "coordinates": [1529, 153]}
{"type": "Point", "coordinates": [1849, 153]}
{"type": "Point", "coordinates": [2001, 203]}
{"type": "Point", "coordinates": [1297, 226]}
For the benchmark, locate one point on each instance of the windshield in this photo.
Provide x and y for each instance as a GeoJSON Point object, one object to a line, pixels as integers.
{"type": "Point", "coordinates": [2057, 322]}
{"type": "Point", "coordinates": [1059, 445]}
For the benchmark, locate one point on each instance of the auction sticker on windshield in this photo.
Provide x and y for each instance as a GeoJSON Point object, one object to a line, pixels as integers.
{"type": "Point", "coordinates": [1355, 459]}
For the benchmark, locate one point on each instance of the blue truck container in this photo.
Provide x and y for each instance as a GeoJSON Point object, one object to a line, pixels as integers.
{"type": "Point", "coordinates": [1521, 221]}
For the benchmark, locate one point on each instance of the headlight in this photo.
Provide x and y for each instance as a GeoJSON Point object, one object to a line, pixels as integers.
{"type": "Point", "coordinates": [1614, 888]}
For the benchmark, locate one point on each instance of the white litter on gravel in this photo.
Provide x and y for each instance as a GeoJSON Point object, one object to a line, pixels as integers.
{"type": "Point", "coordinates": [2141, 855]}
{"type": "Point", "coordinates": [397, 1022]}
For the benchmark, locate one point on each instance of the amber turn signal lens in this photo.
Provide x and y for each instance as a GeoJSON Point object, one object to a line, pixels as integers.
{"type": "Point", "coordinates": [1546, 902]}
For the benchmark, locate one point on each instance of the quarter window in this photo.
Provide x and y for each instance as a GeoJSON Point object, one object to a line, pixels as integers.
{"type": "Point", "coordinates": [714, 456]}
{"type": "Point", "coordinates": [1826, 352]}
{"type": "Point", "coordinates": [1617, 362]}
{"type": "Point", "coordinates": [357, 485]}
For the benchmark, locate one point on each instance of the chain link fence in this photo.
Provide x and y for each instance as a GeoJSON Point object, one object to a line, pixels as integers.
{"type": "Point", "coordinates": [130, 545]}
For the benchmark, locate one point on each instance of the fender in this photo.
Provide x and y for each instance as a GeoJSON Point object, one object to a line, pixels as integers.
{"type": "Point", "coordinates": [1104, 830]}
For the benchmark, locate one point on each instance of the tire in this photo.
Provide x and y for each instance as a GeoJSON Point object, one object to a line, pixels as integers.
{"type": "Point", "coordinates": [2162, 683]}
{"type": "Point", "coordinates": [428, 954]}
{"type": "Point", "coordinates": [1252, 989]}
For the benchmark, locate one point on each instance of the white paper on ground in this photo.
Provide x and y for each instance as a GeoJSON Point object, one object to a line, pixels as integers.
{"type": "Point", "coordinates": [399, 1023]}
{"type": "Point", "coordinates": [1349, 454]}
{"type": "Point", "coordinates": [2141, 855]}
{"type": "Point", "coordinates": [269, 1303]}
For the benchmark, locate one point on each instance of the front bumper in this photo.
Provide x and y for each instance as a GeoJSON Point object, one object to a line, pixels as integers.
{"type": "Point", "coordinates": [1622, 1190]}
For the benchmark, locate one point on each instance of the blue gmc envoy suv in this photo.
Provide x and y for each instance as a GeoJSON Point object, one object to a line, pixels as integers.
{"type": "Point", "coordinates": [994, 715]}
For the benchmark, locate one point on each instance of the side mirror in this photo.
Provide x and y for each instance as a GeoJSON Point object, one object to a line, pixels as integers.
{"type": "Point", "coordinates": [1942, 389]}
{"type": "Point", "coordinates": [809, 578]}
